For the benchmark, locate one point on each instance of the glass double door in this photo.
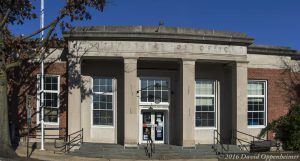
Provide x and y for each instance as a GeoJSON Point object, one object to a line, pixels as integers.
{"type": "Point", "coordinates": [153, 126]}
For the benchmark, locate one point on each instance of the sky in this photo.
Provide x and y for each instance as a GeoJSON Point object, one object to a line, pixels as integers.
{"type": "Point", "coordinates": [269, 22]}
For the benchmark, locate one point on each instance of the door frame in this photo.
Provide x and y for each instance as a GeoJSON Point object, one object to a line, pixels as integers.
{"type": "Point", "coordinates": [166, 119]}
{"type": "Point", "coordinates": [153, 107]}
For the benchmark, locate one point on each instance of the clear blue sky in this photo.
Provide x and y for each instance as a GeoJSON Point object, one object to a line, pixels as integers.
{"type": "Point", "coordinates": [270, 22]}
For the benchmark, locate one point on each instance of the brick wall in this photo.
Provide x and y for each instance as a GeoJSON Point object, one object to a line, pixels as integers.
{"type": "Point", "coordinates": [278, 91]}
{"type": "Point", "coordinates": [22, 82]}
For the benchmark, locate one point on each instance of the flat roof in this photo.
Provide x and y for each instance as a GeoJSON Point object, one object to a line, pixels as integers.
{"type": "Point", "coordinates": [158, 33]}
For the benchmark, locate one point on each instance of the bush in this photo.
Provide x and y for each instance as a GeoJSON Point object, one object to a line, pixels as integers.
{"type": "Point", "coordinates": [287, 129]}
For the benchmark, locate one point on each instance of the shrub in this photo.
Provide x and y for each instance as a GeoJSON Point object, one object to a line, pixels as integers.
{"type": "Point", "coordinates": [287, 129]}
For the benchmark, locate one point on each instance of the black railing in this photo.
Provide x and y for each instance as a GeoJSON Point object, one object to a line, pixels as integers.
{"type": "Point", "coordinates": [34, 133]}
{"type": "Point", "coordinates": [255, 143]}
{"type": "Point", "coordinates": [69, 142]}
{"type": "Point", "coordinates": [218, 140]}
{"type": "Point", "coordinates": [242, 144]}
{"type": "Point", "coordinates": [150, 149]}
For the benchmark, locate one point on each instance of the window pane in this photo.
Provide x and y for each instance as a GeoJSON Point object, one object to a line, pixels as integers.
{"type": "Point", "coordinates": [157, 96]}
{"type": "Point", "coordinates": [102, 105]}
{"type": "Point", "coordinates": [96, 105]}
{"type": "Point", "coordinates": [109, 98]}
{"type": "Point", "coordinates": [210, 122]}
{"type": "Point", "coordinates": [109, 81]}
{"type": "Point", "coordinates": [256, 88]}
{"type": "Point", "coordinates": [50, 99]}
{"type": "Point", "coordinates": [102, 81]}
{"type": "Point", "coordinates": [150, 96]}
{"type": "Point", "coordinates": [164, 85]}
{"type": "Point", "coordinates": [150, 85]}
{"type": "Point", "coordinates": [108, 88]}
{"type": "Point", "coordinates": [96, 97]}
{"type": "Point", "coordinates": [204, 87]}
{"type": "Point", "coordinates": [102, 88]}
{"type": "Point", "coordinates": [96, 88]}
{"type": "Point", "coordinates": [211, 115]}
{"type": "Point", "coordinates": [157, 85]}
{"type": "Point", "coordinates": [103, 98]}
{"type": "Point", "coordinates": [51, 115]}
{"type": "Point", "coordinates": [96, 121]}
{"type": "Point", "coordinates": [144, 96]}
{"type": "Point", "coordinates": [106, 117]}
{"type": "Point", "coordinates": [165, 96]}
{"type": "Point", "coordinates": [144, 85]}
{"type": "Point", "coordinates": [109, 106]}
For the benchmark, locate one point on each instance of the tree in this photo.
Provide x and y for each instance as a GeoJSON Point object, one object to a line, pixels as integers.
{"type": "Point", "coordinates": [14, 50]}
{"type": "Point", "coordinates": [287, 129]}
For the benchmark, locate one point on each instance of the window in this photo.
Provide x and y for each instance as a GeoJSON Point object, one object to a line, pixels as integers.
{"type": "Point", "coordinates": [154, 91]}
{"type": "Point", "coordinates": [103, 101]}
{"type": "Point", "coordinates": [51, 98]}
{"type": "Point", "coordinates": [205, 103]}
{"type": "Point", "coordinates": [256, 103]}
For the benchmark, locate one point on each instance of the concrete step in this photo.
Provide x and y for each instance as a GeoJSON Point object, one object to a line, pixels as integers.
{"type": "Point", "coordinates": [161, 151]}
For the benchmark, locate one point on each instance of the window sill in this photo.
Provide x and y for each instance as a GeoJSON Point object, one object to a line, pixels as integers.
{"type": "Point", "coordinates": [153, 104]}
{"type": "Point", "coordinates": [205, 128]}
{"type": "Point", "coordinates": [102, 127]}
{"type": "Point", "coordinates": [256, 126]}
{"type": "Point", "coordinates": [51, 123]}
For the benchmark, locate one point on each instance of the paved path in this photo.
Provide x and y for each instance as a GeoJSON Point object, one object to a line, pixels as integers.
{"type": "Point", "coordinates": [49, 155]}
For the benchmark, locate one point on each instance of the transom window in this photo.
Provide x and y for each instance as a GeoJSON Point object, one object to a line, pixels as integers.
{"type": "Point", "coordinates": [205, 103]}
{"type": "Point", "coordinates": [51, 98]}
{"type": "Point", "coordinates": [103, 101]}
{"type": "Point", "coordinates": [256, 103]}
{"type": "Point", "coordinates": [154, 91]}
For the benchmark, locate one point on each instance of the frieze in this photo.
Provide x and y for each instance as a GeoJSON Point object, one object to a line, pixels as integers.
{"type": "Point", "coordinates": [155, 47]}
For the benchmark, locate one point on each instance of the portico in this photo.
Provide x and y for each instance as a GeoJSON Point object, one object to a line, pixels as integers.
{"type": "Point", "coordinates": [179, 84]}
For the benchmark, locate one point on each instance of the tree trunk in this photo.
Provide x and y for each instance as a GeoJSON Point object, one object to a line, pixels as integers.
{"type": "Point", "coordinates": [6, 149]}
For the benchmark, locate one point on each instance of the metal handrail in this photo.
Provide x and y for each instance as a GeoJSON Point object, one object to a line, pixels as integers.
{"type": "Point", "coordinates": [217, 140]}
{"type": "Point", "coordinates": [241, 143]}
{"type": "Point", "coordinates": [250, 143]}
{"type": "Point", "coordinates": [151, 144]}
{"type": "Point", "coordinates": [253, 137]}
{"type": "Point", "coordinates": [69, 141]}
{"type": "Point", "coordinates": [34, 129]}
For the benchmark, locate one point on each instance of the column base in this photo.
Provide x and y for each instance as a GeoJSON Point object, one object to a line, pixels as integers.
{"type": "Point", "coordinates": [188, 143]}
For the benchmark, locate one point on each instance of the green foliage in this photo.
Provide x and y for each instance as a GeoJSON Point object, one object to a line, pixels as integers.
{"type": "Point", "coordinates": [287, 129]}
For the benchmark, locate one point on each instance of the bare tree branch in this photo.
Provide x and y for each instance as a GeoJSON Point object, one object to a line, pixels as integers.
{"type": "Point", "coordinates": [12, 65]}
{"type": "Point", "coordinates": [4, 19]}
{"type": "Point", "coordinates": [54, 22]}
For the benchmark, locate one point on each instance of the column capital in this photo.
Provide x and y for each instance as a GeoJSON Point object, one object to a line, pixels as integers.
{"type": "Point", "coordinates": [130, 60]}
{"type": "Point", "coordinates": [188, 61]}
{"type": "Point", "coordinates": [241, 64]}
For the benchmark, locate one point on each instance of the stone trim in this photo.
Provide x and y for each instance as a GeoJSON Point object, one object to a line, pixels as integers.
{"type": "Point", "coordinates": [164, 34]}
{"type": "Point", "coordinates": [273, 50]}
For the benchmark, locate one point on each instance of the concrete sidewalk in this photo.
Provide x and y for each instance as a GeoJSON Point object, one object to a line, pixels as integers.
{"type": "Point", "coordinates": [48, 155]}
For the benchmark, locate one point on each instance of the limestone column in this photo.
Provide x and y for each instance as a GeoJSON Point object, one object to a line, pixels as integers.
{"type": "Point", "coordinates": [131, 119]}
{"type": "Point", "coordinates": [187, 102]}
{"type": "Point", "coordinates": [240, 98]}
{"type": "Point", "coordinates": [74, 95]}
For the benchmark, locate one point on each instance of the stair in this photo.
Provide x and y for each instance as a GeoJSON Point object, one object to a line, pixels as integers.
{"type": "Point", "coordinates": [230, 148]}
{"type": "Point", "coordinates": [161, 151]}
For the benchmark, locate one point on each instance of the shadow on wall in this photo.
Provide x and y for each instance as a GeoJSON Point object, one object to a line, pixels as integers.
{"type": "Point", "coordinates": [23, 81]}
{"type": "Point", "coordinates": [290, 81]}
